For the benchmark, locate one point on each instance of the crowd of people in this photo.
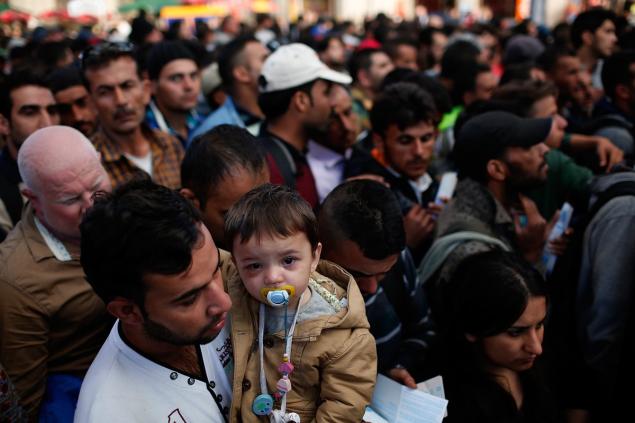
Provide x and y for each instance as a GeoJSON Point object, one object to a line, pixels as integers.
{"type": "Point", "coordinates": [248, 224]}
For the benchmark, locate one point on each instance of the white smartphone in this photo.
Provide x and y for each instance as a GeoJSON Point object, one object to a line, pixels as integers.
{"type": "Point", "coordinates": [446, 187]}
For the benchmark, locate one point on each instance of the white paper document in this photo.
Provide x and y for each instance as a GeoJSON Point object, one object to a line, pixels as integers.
{"type": "Point", "coordinates": [396, 403]}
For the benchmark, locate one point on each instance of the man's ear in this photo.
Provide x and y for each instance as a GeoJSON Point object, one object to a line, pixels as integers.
{"type": "Point", "coordinates": [378, 141]}
{"type": "Point", "coordinates": [622, 92]}
{"type": "Point", "coordinates": [241, 74]}
{"type": "Point", "coordinates": [125, 310]}
{"type": "Point", "coordinates": [33, 199]}
{"type": "Point", "coordinates": [301, 101]}
{"type": "Point", "coordinates": [187, 193]}
{"type": "Point", "coordinates": [5, 126]}
{"type": "Point", "coordinates": [587, 38]}
{"type": "Point", "coordinates": [154, 86]}
{"type": "Point", "coordinates": [363, 78]}
{"type": "Point", "coordinates": [316, 256]}
{"type": "Point", "coordinates": [497, 170]}
{"type": "Point", "coordinates": [147, 90]}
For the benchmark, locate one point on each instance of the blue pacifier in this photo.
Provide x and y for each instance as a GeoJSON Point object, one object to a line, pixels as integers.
{"type": "Point", "coordinates": [277, 297]}
{"type": "Point", "coordinates": [262, 405]}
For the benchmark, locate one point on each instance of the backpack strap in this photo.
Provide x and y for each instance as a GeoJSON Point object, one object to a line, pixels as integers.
{"type": "Point", "coordinates": [445, 245]}
{"type": "Point", "coordinates": [616, 190]}
{"type": "Point", "coordinates": [282, 158]}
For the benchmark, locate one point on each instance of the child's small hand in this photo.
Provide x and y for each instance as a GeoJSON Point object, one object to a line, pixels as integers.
{"type": "Point", "coordinates": [402, 376]}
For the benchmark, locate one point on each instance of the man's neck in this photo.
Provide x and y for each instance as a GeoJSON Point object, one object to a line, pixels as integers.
{"type": "Point", "coordinates": [177, 120]}
{"type": "Point", "coordinates": [134, 143]}
{"type": "Point", "coordinates": [180, 357]}
{"type": "Point", "coordinates": [588, 58]}
{"type": "Point", "coordinates": [288, 129]}
{"type": "Point", "coordinates": [503, 195]}
{"type": "Point", "coordinates": [13, 150]}
{"type": "Point", "coordinates": [245, 98]}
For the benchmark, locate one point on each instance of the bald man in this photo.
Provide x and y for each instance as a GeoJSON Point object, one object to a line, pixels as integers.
{"type": "Point", "coordinates": [51, 322]}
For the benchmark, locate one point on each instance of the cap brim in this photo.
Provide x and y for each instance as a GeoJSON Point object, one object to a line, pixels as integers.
{"type": "Point", "coordinates": [333, 76]}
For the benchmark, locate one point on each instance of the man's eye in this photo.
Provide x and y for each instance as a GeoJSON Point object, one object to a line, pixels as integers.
{"type": "Point", "coordinates": [189, 301]}
{"type": "Point", "coordinates": [176, 78]}
{"type": "Point", "coordinates": [514, 333]}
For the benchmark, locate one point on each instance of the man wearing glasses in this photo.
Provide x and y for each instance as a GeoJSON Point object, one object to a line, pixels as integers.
{"type": "Point", "coordinates": [127, 145]}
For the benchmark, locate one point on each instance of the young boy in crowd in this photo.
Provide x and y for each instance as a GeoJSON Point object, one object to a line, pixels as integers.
{"type": "Point", "coordinates": [302, 349]}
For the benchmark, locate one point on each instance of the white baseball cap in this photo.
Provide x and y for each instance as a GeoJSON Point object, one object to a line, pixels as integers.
{"type": "Point", "coordinates": [293, 65]}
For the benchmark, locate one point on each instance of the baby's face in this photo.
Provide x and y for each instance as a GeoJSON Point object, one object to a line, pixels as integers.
{"type": "Point", "coordinates": [273, 262]}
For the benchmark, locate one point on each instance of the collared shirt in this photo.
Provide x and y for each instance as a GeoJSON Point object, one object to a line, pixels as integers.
{"type": "Point", "coordinates": [51, 320]}
{"type": "Point", "coordinates": [327, 167]}
{"type": "Point", "coordinates": [156, 120]}
{"type": "Point", "coordinates": [420, 186]}
{"type": "Point", "coordinates": [125, 385]}
{"type": "Point", "coordinates": [167, 154]}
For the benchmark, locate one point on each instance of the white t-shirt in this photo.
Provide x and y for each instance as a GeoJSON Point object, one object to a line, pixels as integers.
{"type": "Point", "coordinates": [142, 162]}
{"type": "Point", "coordinates": [123, 385]}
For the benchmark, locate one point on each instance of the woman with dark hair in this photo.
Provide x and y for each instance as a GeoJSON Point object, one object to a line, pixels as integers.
{"type": "Point", "coordinates": [497, 306]}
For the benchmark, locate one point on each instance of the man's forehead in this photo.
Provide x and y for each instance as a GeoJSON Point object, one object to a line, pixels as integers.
{"type": "Point", "coordinates": [104, 71]}
{"type": "Point", "coordinates": [25, 94]}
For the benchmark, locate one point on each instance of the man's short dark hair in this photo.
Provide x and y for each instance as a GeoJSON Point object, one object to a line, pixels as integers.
{"type": "Point", "coordinates": [524, 94]}
{"type": "Point", "coordinates": [142, 228]}
{"type": "Point", "coordinates": [63, 78]}
{"type": "Point", "coordinates": [18, 79]}
{"type": "Point", "coordinates": [403, 104]}
{"type": "Point", "coordinates": [276, 103]}
{"type": "Point", "coordinates": [273, 210]}
{"type": "Point", "coordinates": [367, 213]}
{"type": "Point", "coordinates": [216, 154]}
{"type": "Point", "coordinates": [589, 20]}
{"type": "Point", "coordinates": [361, 60]}
{"type": "Point", "coordinates": [101, 55]}
{"type": "Point", "coordinates": [391, 47]}
{"type": "Point", "coordinates": [457, 57]}
{"type": "Point", "coordinates": [229, 58]}
{"type": "Point", "coordinates": [548, 60]}
{"type": "Point", "coordinates": [163, 53]}
{"type": "Point", "coordinates": [617, 70]}
{"type": "Point", "coordinates": [431, 85]}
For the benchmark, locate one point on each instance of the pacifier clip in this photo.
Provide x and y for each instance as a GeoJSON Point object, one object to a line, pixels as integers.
{"type": "Point", "coordinates": [263, 403]}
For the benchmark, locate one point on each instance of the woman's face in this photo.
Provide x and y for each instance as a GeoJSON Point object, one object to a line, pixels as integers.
{"type": "Point", "coordinates": [518, 347]}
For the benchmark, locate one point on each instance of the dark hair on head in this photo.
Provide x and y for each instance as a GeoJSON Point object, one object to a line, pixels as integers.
{"type": "Point", "coordinates": [403, 104]}
{"type": "Point", "coordinates": [230, 57]}
{"type": "Point", "coordinates": [589, 20]}
{"type": "Point", "coordinates": [273, 210]}
{"type": "Point", "coordinates": [165, 52]}
{"type": "Point", "coordinates": [141, 228]}
{"type": "Point", "coordinates": [525, 93]}
{"type": "Point", "coordinates": [426, 35]}
{"type": "Point", "coordinates": [367, 213]}
{"type": "Point", "coordinates": [322, 44]}
{"type": "Point", "coordinates": [63, 78]}
{"type": "Point", "coordinates": [101, 55]}
{"type": "Point", "coordinates": [485, 296]}
{"type": "Point", "coordinates": [439, 94]}
{"type": "Point", "coordinates": [548, 60]}
{"type": "Point", "coordinates": [517, 72]}
{"type": "Point", "coordinates": [396, 75]}
{"type": "Point", "coordinates": [361, 60]}
{"type": "Point", "coordinates": [391, 47]}
{"type": "Point", "coordinates": [50, 53]}
{"type": "Point", "coordinates": [17, 79]}
{"type": "Point", "coordinates": [617, 70]}
{"type": "Point", "coordinates": [211, 157]}
{"type": "Point", "coordinates": [276, 103]}
{"type": "Point", "coordinates": [457, 57]}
